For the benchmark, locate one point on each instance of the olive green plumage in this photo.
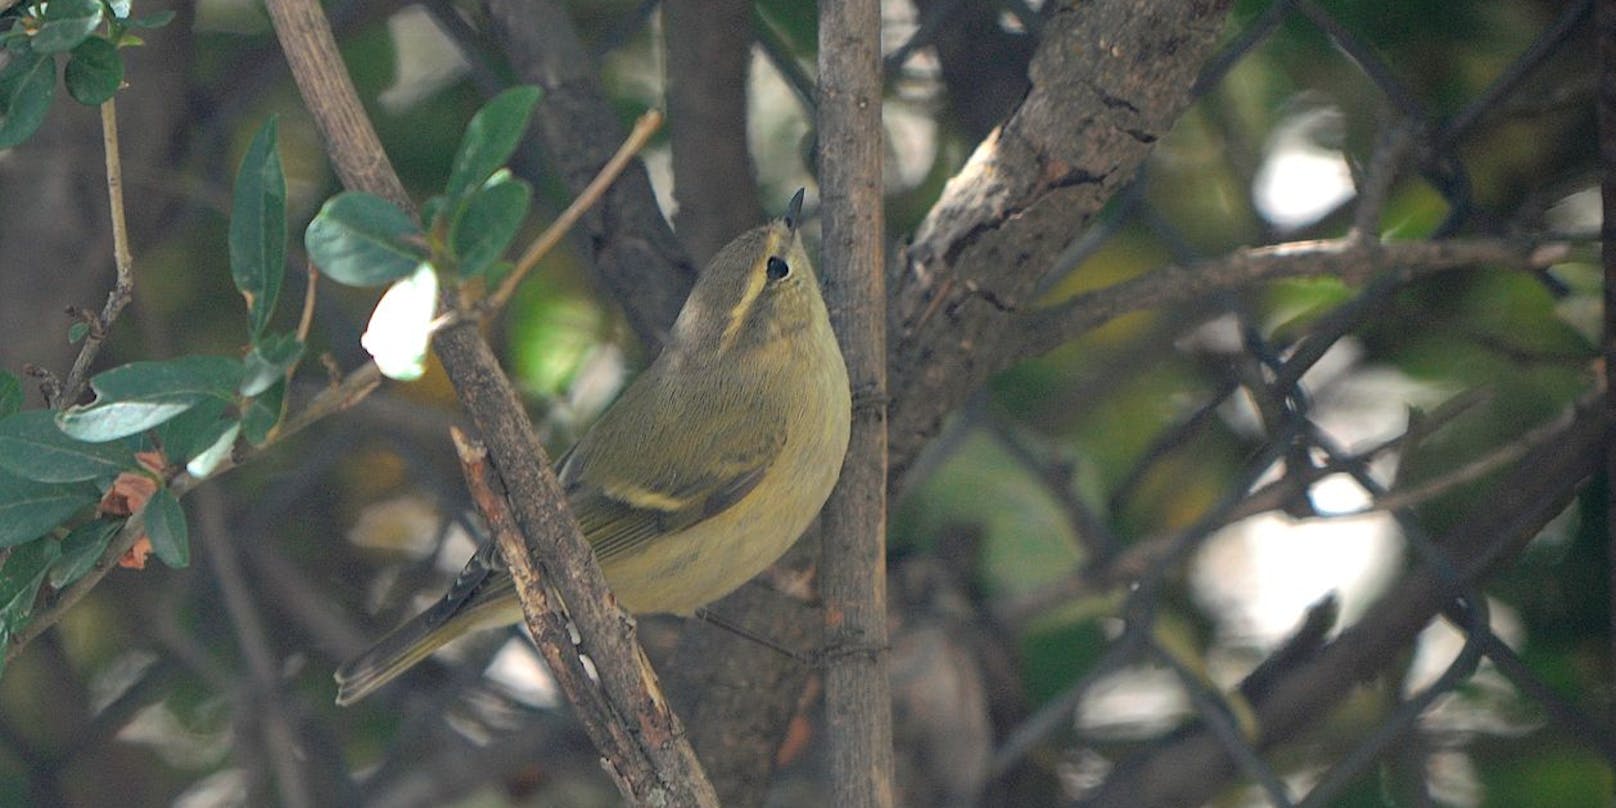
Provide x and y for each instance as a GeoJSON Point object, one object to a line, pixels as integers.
{"type": "Point", "coordinates": [706, 469]}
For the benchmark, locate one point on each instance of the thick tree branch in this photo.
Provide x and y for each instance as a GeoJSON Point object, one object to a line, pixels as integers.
{"type": "Point", "coordinates": [1108, 80]}
{"type": "Point", "coordinates": [708, 43]}
{"type": "Point", "coordinates": [852, 565]}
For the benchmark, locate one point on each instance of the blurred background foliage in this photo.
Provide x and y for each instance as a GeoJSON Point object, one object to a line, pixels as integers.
{"type": "Point", "coordinates": [346, 527]}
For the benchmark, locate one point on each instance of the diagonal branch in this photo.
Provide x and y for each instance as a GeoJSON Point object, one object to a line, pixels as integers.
{"type": "Point", "coordinates": [653, 763]}
{"type": "Point", "coordinates": [1108, 79]}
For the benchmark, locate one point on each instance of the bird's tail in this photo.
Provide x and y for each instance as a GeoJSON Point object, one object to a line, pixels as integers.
{"type": "Point", "coordinates": [414, 641]}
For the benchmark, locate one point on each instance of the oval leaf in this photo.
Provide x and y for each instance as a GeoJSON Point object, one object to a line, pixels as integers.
{"type": "Point", "coordinates": [26, 86]}
{"type": "Point", "coordinates": [28, 509]}
{"type": "Point", "coordinates": [488, 222]}
{"type": "Point", "coordinates": [141, 395]}
{"type": "Point", "coordinates": [363, 240]}
{"type": "Point", "coordinates": [20, 578]}
{"type": "Point", "coordinates": [81, 549]}
{"type": "Point", "coordinates": [94, 73]}
{"type": "Point", "coordinates": [491, 137]}
{"type": "Point", "coordinates": [32, 447]}
{"type": "Point", "coordinates": [400, 329]}
{"type": "Point", "coordinates": [66, 24]}
{"type": "Point", "coordinates": [258, 228]}
{"type": "Point", "coordinates": [165, 526]}
{"type": "Point", "coordinates": [263, 413]}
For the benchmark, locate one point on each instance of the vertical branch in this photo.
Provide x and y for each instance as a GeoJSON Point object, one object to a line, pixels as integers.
{"type": "Point", "coordinates": [708, 46]}
{"type": "Point", "coordinates": [1605, 32]}
{"type": "Point", "coordinates": [852, 569]}
{"type": "Point", "coordinates": [355, 150]}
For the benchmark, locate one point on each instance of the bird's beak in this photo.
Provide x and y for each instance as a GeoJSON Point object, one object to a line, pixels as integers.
{"type": "Point", "coordinates": [793, 216]}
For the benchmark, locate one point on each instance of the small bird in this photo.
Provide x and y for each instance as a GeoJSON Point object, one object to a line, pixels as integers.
{"type": "Point", "coordinates": [704, 471]}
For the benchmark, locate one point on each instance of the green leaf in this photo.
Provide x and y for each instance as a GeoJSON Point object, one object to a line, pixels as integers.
{"type": "Point", "coordinates": [165, 526]}
{"type": "Point", "coordinates": [192, 431]}
{"type": "Point", "coordinates": [216, 451]}
{"type": "Point", "coordinates": [66, 23]}
{"type": "Point", "coordinates": [263, 413]}
{"type": "Point", "coordinates": [28, 509]}
{"type": "Point", "coordinates": [363, 240]}
{"type": "Point", "coordinates": [271, 356]}
{"type": "Point", "coordinates": [26, 87]}
{"type": "Point", "coordinates": [32, 447]}
{"type": "Point", "coordinates": [81, 549]}
{"type": "Point", "coordinates": [140, 395]}
{"type": "Point", "coordinates": [20, 578]}
{"type": "Point", "coordinates": [258, 228]}
{"type": "Point", "coordinates": [399, 329]}
{"type": "Point", "coordinates": [94, 73]}
{"type": "Point", "coordinates": [77, 332]}
{"type": "Point", "coordinates": [432, 208]}
{"type": "Point", "coordinates": [487, 223]}
{"type": "Point", "coordinates": [154, 20]}
{"type": "Point", "coordinates": [10, 394]}
{"type": "Point", "coordinates": [491, 137]}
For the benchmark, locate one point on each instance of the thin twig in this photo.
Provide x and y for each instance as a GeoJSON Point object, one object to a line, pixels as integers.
{"type": "Point", "coordinates": [123, 290]}
{"type": "Point", "coordinates": [644, 128]}
{"type": "Point", "coordinates": [305, 321]}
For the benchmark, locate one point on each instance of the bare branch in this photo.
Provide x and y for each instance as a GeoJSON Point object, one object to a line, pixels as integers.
{"type": "Point", "coordinates": [1108, 80]}
{"type": "Point", "coordinates": [852, 564]}
{"type": "Point", "coordinates": [708, 43]}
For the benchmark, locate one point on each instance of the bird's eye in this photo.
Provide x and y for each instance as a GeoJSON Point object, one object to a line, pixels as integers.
{"type": "Point", "coordinates": [777, 268]}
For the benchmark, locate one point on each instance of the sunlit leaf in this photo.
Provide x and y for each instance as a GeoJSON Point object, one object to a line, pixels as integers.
{"type": "Point", "coordinates": [258, 228]}
{"type": "Point", "coordinates": [165, 525]}
{"type": "Point", "coordinates": [399, 332]}
{"type": "Point", "coordinates": [490, 138]}
{"type": "Point", "coordinates": [268, 362]}
{"type": "Point", "coordinates": [192, 431]}
{"type": "Point", "coordinates": [216, 452]}
{"type": "Point", "coordinates": [33, 447]}
{"type": "Point", "coordinates": [28, 508]}
{"type": "Point", "coordinates": [141, 395]}
{"type": "Point", "coordinates": [263, 413]}
{"type": "Point", "coordinates": [363, 240]}
{"type": "Point", "coordinates": [488, 222]}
